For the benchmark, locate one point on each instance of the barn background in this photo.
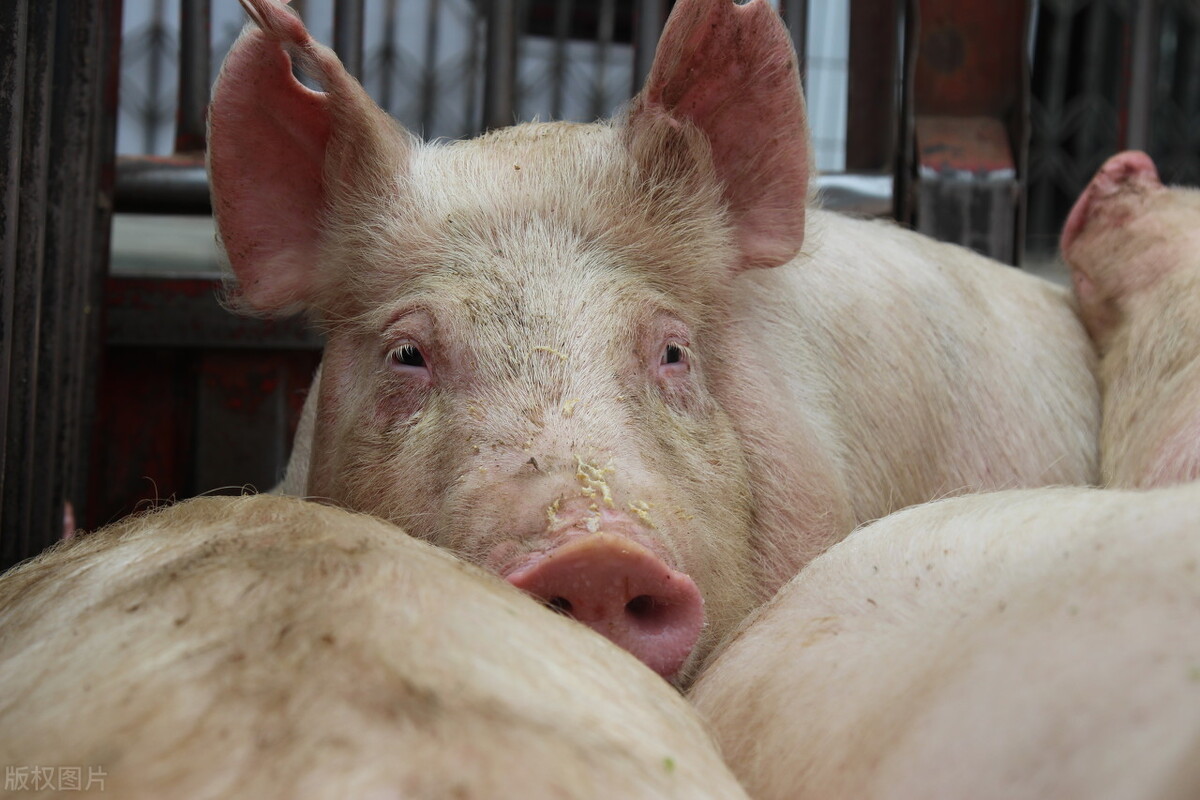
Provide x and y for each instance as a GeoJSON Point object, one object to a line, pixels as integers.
{"type": "Point", "coordinates": [122, 380]}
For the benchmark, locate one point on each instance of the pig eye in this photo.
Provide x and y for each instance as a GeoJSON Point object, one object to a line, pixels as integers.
{"type": "Point", "coordinates": [407, 355]}
{"type": "Point", "coordinates": [672, 354]}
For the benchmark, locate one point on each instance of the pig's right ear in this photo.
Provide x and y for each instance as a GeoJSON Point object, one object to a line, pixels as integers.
{"type": "Point", "coordinates": [730, 70]}
{"type": "Point", "coordinates": [281, 156]}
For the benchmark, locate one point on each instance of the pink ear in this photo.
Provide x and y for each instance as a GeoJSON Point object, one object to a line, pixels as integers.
{"type": "Point", "coordinates": [731, 71]}
{"type": "Point", "coordinates": [279, 152]}
{"type": "Point", "coordinates": [1131, 171]}
{"type": "Point", "coordinates": [1103, 216]}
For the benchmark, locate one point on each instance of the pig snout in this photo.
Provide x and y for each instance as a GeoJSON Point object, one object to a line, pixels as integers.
{"type": "Point", "coordinates": [624, 592]}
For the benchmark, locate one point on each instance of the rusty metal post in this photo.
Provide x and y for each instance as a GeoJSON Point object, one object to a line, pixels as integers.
{"type": "Point", "coordinates": [13, 32]}
{"type": "Point", "coordinates": [970, 123]}
{"type": "Point", "coordinates": [58, 83]}
{"type": "Point", "coordinates": [871, 127]}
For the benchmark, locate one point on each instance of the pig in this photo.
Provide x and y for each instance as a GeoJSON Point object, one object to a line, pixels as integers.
{"type": "Point", "coordinates": [267, 646]}
{"type": "Point", "coordinates": [1133, 247]}
{"type": "Point", "coordinates": [1037, 643]}
{"type": "Point", "coordinates": [627, 365]}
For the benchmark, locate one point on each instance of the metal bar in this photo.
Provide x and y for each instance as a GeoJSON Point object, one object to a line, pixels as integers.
{"type": "Point", "coordinates": [20, 515]}
{"type": "Point", "coordinates": [1090, 147]}
{"type": "Point", "coordinates": [429, 77]}
{"type": "Point", "coordinates": [13, 30]}
{"type": "Point", "coordinates": [795, 14]}
{"type": "Point", "coordinates": [98, 205]}
{"type": "Point", "coordinates": [1142, 75]}
{"type": "Point", "coordinates": [1187, 94]}
{"type": "Point", "coordinates": [66, 108]}
{"type": "Point", "coordinates": [471, 95]}
{"type": "Point", "coordinates": [605, 25]}
{"type": "Point", "coordinates": [905, 170]}
{"type": "Point", "coordinates": [187, 313]}
{"type": "Point", "coordinates": [500, 76]}
{"type": "Point", "coordinates": [1053, 72]}
{"type": "Point", "coordinates": [163, 184]}
{"type": "Point", "coordinates": [386, 63]}
{"type": "Point", "coordinates": [648, 22]}
{"type": "Point", "coordinates": [348, 34]}
{"type": "Point", "coordinates": [871, 127]}
{"type": "Point", "coordinates": [67, 145]}
{"type": "Point", "coordinates": [1020, 129]}
{"type": "Point", "coordinates": [100, 74]}
{"type": "Point", "coordinates": [156, 43]}
{"type": "Point", "coordinates": [195, 27]}
{"type": "Point", "coordinates": [563, 11]}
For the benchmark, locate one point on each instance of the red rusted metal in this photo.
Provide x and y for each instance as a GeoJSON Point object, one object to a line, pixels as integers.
{"type": "Point", "coordinates": [871, 127]}
{"type": "Point", "coordinates": [193, 399]}
{"type": "Point", "coordinates": [964, 145]}
{"type": "Point", "coordinates": [968, 96]}
{"type": "Point", "coordinates": [187, 312]}
{"type": "Point", "coordinates": [177, 422]}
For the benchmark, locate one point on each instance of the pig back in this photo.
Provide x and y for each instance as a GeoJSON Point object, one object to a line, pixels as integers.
{"type": "Point", "coordinates": [1033, 643]}
{"type": "Point", "coordinates": [919, 369]}
{"type": "Point", "coordinates": [269, 647]}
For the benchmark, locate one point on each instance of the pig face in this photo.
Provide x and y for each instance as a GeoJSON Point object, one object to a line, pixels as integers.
{"type": "Point", "coordinates": [524, 331]}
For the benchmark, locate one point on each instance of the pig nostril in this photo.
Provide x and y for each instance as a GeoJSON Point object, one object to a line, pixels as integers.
{"type": "Point", "coordinates": [640, 606]}
{"type": "Point", "coordinates": [650, 613]}
{"type": "Point", "coordinates": [559, 604]}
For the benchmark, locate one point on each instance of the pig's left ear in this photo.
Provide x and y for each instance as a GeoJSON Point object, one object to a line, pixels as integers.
{"type": "Point", "coordinates": [283, 159]}
{"type": "Point", "coordinates": [730, 70]}
{"type": "Point", "coordinates": [1101, 274]}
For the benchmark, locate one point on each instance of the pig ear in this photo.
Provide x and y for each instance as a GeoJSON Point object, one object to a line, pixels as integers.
{"type": "Point", "coordinates": [279, 154]}
{"type": "Point", "coordinates": [730, 70]}
{"type": "Point", "coordinates": [1100, 277]}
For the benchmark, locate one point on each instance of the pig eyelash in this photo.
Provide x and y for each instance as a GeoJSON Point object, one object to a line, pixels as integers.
{"type": "Point", "coordinates": [407, 357]}
{"type": "Point", "coordinates": [674, 360]}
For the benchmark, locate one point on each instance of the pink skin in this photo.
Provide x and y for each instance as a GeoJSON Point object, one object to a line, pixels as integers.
{"type": "Point", "coordinates": [557, 310]}
{"type": "Point", "coordinates": [623, 592]}
{"type": "Point", "coordinates": [600, 566]}
{"type": "Point", "coordinates": [453, 410]}
{"type": "Point", "coordinates": [1108, 203]}
{"type": "Point", "coordinates": [1129, 170]}
{"type": "Point", "coordinates": [1124, 172]}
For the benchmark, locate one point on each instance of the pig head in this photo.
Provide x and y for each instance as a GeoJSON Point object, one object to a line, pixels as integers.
{"type": "Point", "coordinates": [522, 329]}
{"type": "Point", "coordinates": [625, 365]}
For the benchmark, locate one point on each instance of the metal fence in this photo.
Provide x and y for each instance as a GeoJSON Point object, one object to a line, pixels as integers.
{"type": "Point", "coordinates": [427, 62]}
{"type": "Point", "coordinates": [1104, 75]}
{"type": "Point", "coordinates": [57, 98]}
{"type": "Point", "coordinates": [1110, 75]}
